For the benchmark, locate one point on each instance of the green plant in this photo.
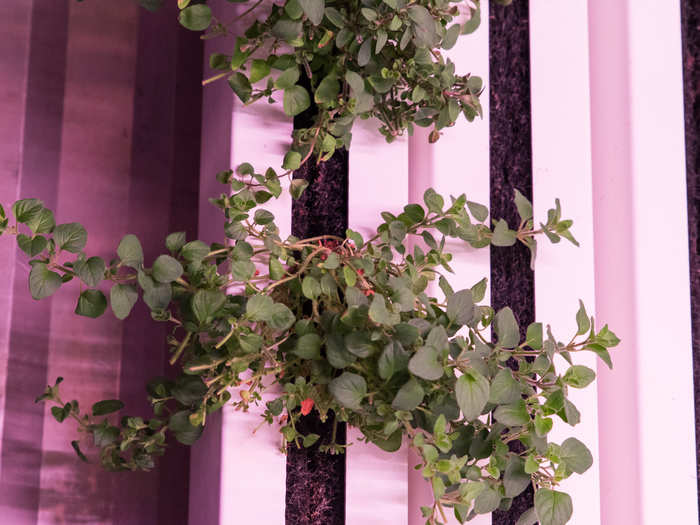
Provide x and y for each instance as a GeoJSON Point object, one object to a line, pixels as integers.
{"type": "Point", "coordinates": [346, 325]}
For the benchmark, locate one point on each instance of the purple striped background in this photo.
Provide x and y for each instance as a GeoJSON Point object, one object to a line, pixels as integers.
{"type": "Point", "coordinates": [101, 111]}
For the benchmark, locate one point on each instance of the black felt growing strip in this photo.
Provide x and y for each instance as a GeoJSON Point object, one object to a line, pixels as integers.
{"type": "Point", "coordinates": [316, 480]}
{"type": "Point", "coordinates": [512, 281]}
{"type": "Point", "coordinates": [690, 17]}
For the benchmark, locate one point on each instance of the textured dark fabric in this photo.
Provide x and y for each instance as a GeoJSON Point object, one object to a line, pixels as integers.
{"type": "Point", "coordinates": [316, 480]}
{"type": "Point", "coordinates": [512, 281]}
{"type": "Point", "coordinates": [690, 17]}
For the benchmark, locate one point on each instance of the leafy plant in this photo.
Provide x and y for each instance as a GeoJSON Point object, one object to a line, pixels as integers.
{"type": "Point", "coordinates": [347, 325]}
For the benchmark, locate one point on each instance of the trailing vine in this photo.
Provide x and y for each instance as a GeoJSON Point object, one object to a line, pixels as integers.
{"type": "Point", "coordinates": [330, 324]}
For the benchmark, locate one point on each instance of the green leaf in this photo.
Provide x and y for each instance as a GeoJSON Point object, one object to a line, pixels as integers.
{"type": "Point", "coordinates": [263, 217]}
{"type": "Point", "coordinates": [425, 365]}
{"type": "Point", "coordinates": [515, 479]}
{"type": "Point", "coordinates": [451, 35]}
{"type": "Point", "coordinates": [336, 353]}
{"type": "Point", "coordinates": [259, 69]}
{"type": "Point", "coordinates": [543, 425]}
{"type": "Point", "coordinates": [310, 287]}
{"type": "Point", "coordinates": [552, 507]}
{"type": "Point", "coordinates": [533, 337]}
{"type": "Point", "coordinates": [259, 308]}
{"type": "Point", "coordinates": [350, 276]}
{"type": "Point", "coordinates": [327, 90]}
{"type": "Point", "coordinates": [70, 237]}
{"type": "Point", "coordinates": [189, 390]}
{"type": "Point", "coordinates": [512, 415]}
{"type": "Point", "coordinates": [292, 161]}
{"type": "Point", "coordinates": [42, 281]}
{"type": "Point", "coordinates": [157, 296]}
{"type": "Point", "coordinates": [130, 251]}
{"type": "Point", "coordinates": [579, 376]}
{"type": "Point", "coordinates": [314, 10]}
{"type": "Point", "coordinates": [478, 211]}
{"type": "Point", "coordinates": [287, 30]}
{"type": "Point", "coordinates": [310, 439]}
{"type": "Point", "coordinates": [336, 17]}
{"type": "Point", "coordinates": [206, 303]}
{"type": "Point", "coordinates": [195, 17]}
{"type": "Point", "coordinates": [43, 222]}
{"type": "Point", "coordinates": [122, 297]}
{"type": "Point", "coordinates": [31, 245]}
{"type": "Point", "coordinates": [166, 269]}
{"type": "Point", "coordinates": [195, 251]}
{"type": "Point", "coordinates": [281, 318]}
{"type": "Point", "coordinates": [91, 271]}
{"type": "Point", "coordinates": [409, 396]}
{"type": "Point", "coordinates": [507, 328]}
{"type": "Point", "coordinates": [601, 352]}
{"type": "Point", "coordinates": [576, 455]}
{"type": "Point", "coordinates": [104, 434]}
{"type": "Point", "coordinates": [287, 78]}
{"type": "Point", "coordinates": [502, 235]}
{"type": "Point", "coordinates": [59, 413]}
{"type": "Point", "coordinates": [460, 307]}
{"type": "Point", "coordinates": [392, 360]}
{"type": "Point", "coordinates": [184, 431]}
{"type": "Point", "coordinates": [91, 303]}
{"type": "Point", "coordinates": [296, 99]}
{"type": "Point", "coordinates": [433, 201]}
{"type": "Point", "coordinates": [529, 517]}
{"type": "Point", "coordinates": [240, 85]}
{"type": "Point", "coordinates": [76, 446]}
{"type": "Point", "coordinates": [349, 390]}
{"type": "Point", "coordinates": [308, 346]}
{"type": "Point", "coordinates": [27, 210]}
{"type": "Point", "coordinates": [472, 392]}
{"type": "Point", "coordinates": [487, 501]}
{"type": "Point", "coordinates": [379, 314]}
{"type": "Point", "coordinates": [102, 408]}
{"type": "Point", "coordinates": [332, 261]}
{"type": "Point", "coordinates": [504, 388]}
{"type": "Point", "coordinates": [523, 205]}
{"type": "Point", "coordinates": [424, 28]}
{"type": "Point", "coordinates": [276, 269]}
{"type": "Point", "coordinates": [582, 319]}
{"type": "Point", "coordinates": [365, 53]}
{"type": "Point", "coordinates": [359, 344]}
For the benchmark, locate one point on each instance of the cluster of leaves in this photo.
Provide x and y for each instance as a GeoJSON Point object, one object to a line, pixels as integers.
{"type": "Point", "coordinates": [347, 325]}
{"type": "Point", "coordinates": [350, 59]}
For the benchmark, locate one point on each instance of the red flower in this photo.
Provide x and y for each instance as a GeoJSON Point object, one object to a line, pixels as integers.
{"type": "Point", "coordinates": [306, 406]}
{"type": "Point", "coordinates": [257, 272]}
{"type": "Point", "coordinates": [369, 292]}
{"type": "Point", "coordinates": [360, 271]}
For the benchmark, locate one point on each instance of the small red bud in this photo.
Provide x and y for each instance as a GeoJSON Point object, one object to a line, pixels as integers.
{"type": "Point", "coordinates": [306, 406]}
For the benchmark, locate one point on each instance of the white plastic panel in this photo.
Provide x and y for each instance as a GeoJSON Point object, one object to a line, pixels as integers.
{"type": "Point", "coordinates": [641, 263]}
{"type": "Point", "coordinates": [562, 168]}
{"type": "Point", "coordinates": [376, 484]}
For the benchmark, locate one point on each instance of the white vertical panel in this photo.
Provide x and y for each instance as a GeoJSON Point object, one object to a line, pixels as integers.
{"type": "Point", "coordinates": [642, 259]}
{"type": "Point", "coordinates": [458, 163]}
{"type": "Point", "coordinates": [376, 488]}
{"type": "Point", "coordinates": [665, 379]}
{"type": "Point", "coordinates": [561, 159]}
{"type": "Point", "coordinates": [251, 467]}
{"type": "Point", "coordinates": [260, 134]}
